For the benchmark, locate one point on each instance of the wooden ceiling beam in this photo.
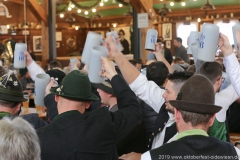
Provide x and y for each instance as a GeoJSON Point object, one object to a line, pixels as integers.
{"type": "Point", "coordinates": [38, 9]}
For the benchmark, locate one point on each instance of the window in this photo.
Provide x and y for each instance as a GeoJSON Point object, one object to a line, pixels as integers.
{"type": "Point", "coordinates": [183, 31]}
{"type": "Point", "coordinates": [226, 28]}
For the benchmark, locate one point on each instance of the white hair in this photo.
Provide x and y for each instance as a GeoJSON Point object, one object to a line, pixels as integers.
{"type": "Point", "coordinates": [18, 140]}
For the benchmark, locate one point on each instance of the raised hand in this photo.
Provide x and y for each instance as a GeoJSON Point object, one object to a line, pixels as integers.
{"type": "Point", "coordinates": [50, 84]}
{"type": "Point", "coordinates": [224, 45]}
{"type": "Point", "coordinates": [108, 69]}
{"type": "Point", "coordinates": [29, 59]}
{"type": "Point", "coordinates": [111, 47]}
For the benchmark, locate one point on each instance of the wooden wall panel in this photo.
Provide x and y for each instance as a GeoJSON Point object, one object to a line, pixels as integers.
{"type": "Point", "coordinates": [16, 10]}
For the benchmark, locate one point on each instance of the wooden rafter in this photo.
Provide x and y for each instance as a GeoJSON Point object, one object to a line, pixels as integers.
{"type": "Point", "coordinates": [38, 9]}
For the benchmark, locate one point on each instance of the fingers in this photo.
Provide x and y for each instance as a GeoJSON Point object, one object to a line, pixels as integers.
{"type": "Point", "coordinates": [52, 82]}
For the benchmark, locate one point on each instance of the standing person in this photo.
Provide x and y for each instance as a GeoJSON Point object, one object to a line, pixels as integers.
{"type": "Point", "coordinates": [165, 51]}
{"type": "Point", "coordinates": [151, 94]}
{"type": "Point", "coordinates": [180, 50]}
{"type": "Point", "coordinates": [194, 113]}
{"type": "Point", "coordinates": [124, 42]}
{"type": "Point", "coordinates": [73, 135]}
{"type": "Point", "coordinates": [134, 140]}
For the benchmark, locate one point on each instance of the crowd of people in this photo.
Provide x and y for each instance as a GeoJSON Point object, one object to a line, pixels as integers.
{"type": "Point", "coordinates": [165, 113]}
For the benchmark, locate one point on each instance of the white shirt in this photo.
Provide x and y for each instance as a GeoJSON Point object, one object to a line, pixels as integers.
{"type": "Point", "coordinates": [34, 69]}
{"type": "Point", "coordinates": [233, 69]}
{"type": "Point", "coordinates": [148, 91]}
{"type": "Point", "coordinates": [225, 98]}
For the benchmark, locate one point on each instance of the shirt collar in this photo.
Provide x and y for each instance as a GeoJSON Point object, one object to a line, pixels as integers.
{"type": "Point", "coordinates": [191, 133]}
{"type": "Point", "coordinates": [5, 114]}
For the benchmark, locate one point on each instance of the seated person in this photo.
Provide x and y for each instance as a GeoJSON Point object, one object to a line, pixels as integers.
{"type": "Point", "coordinates": [179, 62]}
{"type": "Point", "coordinates": [26, 81]}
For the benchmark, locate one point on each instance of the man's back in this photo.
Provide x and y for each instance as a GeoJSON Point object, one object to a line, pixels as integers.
{"type": "Point", "coordinates": [73, 135]}
{"type": "Point", "coordinates": [195, 147]}
{"type": "Point", "coordinates": [76, 136]}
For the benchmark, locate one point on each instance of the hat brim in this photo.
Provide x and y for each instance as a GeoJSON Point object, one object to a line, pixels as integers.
{"type": "Point", "coordinates": [7, 97]}
{"type": "Point", "coordinates": [103, 88]}
{"type": "Point", "coordinates": [93, 97]}
{"type": "Point", "coordinates": [195, 107]}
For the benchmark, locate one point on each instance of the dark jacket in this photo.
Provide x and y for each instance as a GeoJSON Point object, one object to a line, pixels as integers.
{"type": "Point", "coordinates": [149, 118]}
{"type": "Point", "coordinates": [133, 141]}
{"type": "Point", "coordinates": [32, 118]}
{"type": "Point", "coordinates": [198, 146]}
{"type": "Point", "coordinates": [125, 45]}
{"type": "Point", "coordinates": [159, 124]}
{"type": "Point", "coordinates": [168, 55]}
{"type": "Point", "coordinates": [73, 136]}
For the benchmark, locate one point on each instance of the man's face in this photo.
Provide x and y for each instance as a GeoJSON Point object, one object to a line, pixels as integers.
{"type": "Point", "coordinates": [121, 35]}
{"type": "Point", "coordinates": [169, 94]}
{"type": "Point", "coordinates": [160, 45]}
{"type": "Point", "coordinates": [176, 43]}
{"type": "Point", "coordinates": [139, 66]}
{"type": "Point", "coordinates": [104, 96]}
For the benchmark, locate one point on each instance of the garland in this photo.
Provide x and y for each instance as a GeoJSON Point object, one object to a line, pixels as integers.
{"type": "Point", "coordinates": [78, 6]}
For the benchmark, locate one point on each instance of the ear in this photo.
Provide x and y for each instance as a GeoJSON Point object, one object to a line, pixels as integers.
{"type": "Point", "coordinates": [17, 108]}
{"type": "Point", "coordinates": [87, 105]}
{"type": "Point", "coordinates": [56, 98]}
{"type": "Point", "coordinates": [211, 121]}
{"type": "Point", "coordinates": [177, 115]}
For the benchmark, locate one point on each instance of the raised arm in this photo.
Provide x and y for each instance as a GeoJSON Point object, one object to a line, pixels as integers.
{"type": "Point", "coordinates": [128, 115]}
{"type": "Point", "coordinates": [32, 66]}
{"type": "Point", "coordinates": [230, 61]}
{"type": "Point", "coordinates": [148, 91]}
{"type": "Point", "coordinates": [129, 72]}
{"type": "Point", "coordinates": [160, 57]}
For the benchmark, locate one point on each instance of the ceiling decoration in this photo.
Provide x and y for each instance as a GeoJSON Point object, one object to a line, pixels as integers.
{"type": "Point", "coordinates": [190, 4]}
{"type": "Point", "coordinates": [208, 6]}
{"type": "Point", "coordinates": [163, 11]}
{"type": "Point", "coordinates": [72, 4]}
{"type": "Point", "coordinates": [129, 12]}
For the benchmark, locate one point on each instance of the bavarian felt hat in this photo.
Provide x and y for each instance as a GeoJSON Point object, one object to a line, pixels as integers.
{"type": "Point", "coordinates": [10, 88]}
{"type": "Point", "coordinates": [75, 86]}
{"type": "Point", "coordinates": [105, 86]}
{"type": "Point", "coordinates": [57, 75]}
{"type": "Point", "coordinates": [197, 96]}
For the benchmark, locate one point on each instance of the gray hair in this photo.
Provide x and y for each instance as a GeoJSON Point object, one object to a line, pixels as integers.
{"type": "Point", "coordinates": [18, 140]}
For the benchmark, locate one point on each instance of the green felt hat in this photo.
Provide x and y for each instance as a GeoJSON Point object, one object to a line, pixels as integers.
{"type": "Point", "coordinates": [76, 86]}
{"type": "Point", "coordinates": [11, 88]}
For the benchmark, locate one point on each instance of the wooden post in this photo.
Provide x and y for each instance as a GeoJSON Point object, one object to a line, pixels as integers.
{"type": "Point", "coordinates": [144, 6]}
{"type": "Point", "coordinates": [45, 38]}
